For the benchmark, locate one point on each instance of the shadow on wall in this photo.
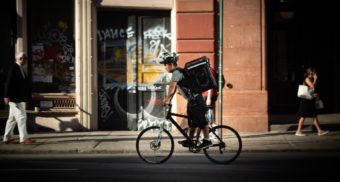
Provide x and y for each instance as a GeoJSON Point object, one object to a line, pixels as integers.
{"type": "Point", "coordinates": [47, 124]}
{"type": "Point", "coordinates": [74, 125]}
{"type": "Point", "coordinates": [54, 124]}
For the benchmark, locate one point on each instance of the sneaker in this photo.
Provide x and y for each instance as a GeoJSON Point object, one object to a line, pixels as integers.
{"type": "Point", "coordinates": [300, 134]}
{"type": "Point", "coordinates": [11, 141]}
{"type": "Point", "coordinates": [323, 133]}
{"type": "Point", "coordinates": [205, 144]}
{"type": "Point", "coordinates": [185, 143]}
{"type": "Point", "coordinates": [28, 141]}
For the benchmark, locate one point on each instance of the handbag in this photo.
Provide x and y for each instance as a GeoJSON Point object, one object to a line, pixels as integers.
{"type": "Point", "coordinates": [319, 104]}
{"type": "Point", "coordinates": [304, 92]}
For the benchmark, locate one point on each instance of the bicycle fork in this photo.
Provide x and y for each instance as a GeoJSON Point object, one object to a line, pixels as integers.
{"type": "Point", "coordinates": [157, 142]}
{"type": "Point", "coordinates": [218, 135]}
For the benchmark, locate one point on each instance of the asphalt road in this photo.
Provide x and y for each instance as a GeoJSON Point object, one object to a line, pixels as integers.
{"type": "Point", "coordinates": [248, 167]}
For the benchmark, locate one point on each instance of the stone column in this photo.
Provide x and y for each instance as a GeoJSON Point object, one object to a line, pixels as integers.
{"type": "Point", "coordinates": [86, 96]}
{"type": "Point", "coordinates": [245, 107]}
{"type": "Point", "coordinates": [21, 41]}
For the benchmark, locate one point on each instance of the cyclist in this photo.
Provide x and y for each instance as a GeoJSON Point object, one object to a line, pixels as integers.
{"type": "Point", "coordinates": [196, 107]}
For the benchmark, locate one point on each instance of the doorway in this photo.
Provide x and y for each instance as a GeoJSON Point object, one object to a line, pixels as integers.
{"type": "Point", "coordinates": [130, 45]}
{"type": "Point", "coordinates": [301, 34]}
{"type": "Point", "coordinates": [8, 36]}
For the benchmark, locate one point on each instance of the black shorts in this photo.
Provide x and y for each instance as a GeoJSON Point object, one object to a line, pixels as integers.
{"type": "Point", "coordinates": [196, 111]}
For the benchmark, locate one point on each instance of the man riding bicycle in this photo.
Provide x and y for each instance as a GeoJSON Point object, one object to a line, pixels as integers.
{"type": "Point", "coordinates": [196, 107]}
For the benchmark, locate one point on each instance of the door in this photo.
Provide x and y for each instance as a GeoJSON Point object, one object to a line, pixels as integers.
{"type": "Point", "coordinates": [285, 62]}
{"type": "Point", "coordinates": [129, 75]}
{"type": "Point", "coordinates": [155, 39]}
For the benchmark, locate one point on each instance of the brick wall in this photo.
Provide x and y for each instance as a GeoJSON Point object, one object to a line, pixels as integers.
{"type": "Point", "coordinates": [245, 106]}
{"type": "Point", "coordinates": [195, 35]}
{"type": "Point", "coordinates": [195, 29]}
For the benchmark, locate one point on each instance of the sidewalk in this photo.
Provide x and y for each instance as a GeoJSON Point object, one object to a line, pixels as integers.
{"type": "Point", "coordinates": [118, 142]}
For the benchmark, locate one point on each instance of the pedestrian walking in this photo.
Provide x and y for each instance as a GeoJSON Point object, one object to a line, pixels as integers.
{"type": "Point", "coordinates": [17, 93]}
{"type": "Point", "coordinates": [307, 106]}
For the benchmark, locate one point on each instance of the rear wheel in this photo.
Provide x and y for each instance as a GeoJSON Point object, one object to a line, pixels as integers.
{"type": "Point", "coordinates": [227, 145]}
{"type": "Point", "coordinates": [155, 145]}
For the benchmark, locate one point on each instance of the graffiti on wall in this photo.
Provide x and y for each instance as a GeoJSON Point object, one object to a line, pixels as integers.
{"type": "Point", "coordinates": [114, 33]}
{"type": "Point", "coordinates": [145, 123]}
{"type": "Point", "coordinates": [53, 56]}
{"type": "Point", "coordinates": [105, 105]}
{"type": "Point", "coordinates": [54, 44]}
{"type": "Point", "coordinates": [128, 68]}
{"type": "Point", "coordinates": [156, 39]}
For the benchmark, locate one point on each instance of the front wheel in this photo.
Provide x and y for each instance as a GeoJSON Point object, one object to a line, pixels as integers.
{"type": "Point", "coordinates": [227, 145]}
{"type": "Point", "coordinates": [155, 145]}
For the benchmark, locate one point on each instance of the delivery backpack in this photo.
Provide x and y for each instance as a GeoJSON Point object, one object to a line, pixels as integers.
{"type": "Point", "coordinates": [199, 75]}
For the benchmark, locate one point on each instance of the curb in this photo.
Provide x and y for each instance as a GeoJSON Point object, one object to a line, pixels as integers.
{"type": "Point", "coordinates": [76, 151]}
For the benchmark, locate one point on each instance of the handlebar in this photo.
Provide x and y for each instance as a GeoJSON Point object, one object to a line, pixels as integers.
{"type": "Point", "coordinates": [169, 113]}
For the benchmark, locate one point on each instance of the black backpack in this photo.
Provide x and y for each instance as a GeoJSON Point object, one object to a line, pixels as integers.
{"type": "Point", "coordinates": [200, 76]}
{"type": "Point", "coordinates": [187, 84]}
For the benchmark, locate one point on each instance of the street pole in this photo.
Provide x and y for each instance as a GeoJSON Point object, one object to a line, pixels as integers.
{"type": "Point", "coordinates": [220, 62]}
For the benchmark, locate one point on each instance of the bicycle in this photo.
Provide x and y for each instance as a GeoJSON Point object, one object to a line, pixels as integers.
{"type": "Point", "coordinates": [155, 144]}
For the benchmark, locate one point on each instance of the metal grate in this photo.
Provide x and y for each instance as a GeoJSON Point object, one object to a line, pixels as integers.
{"type": "Point", "coordinates": [63, 103]}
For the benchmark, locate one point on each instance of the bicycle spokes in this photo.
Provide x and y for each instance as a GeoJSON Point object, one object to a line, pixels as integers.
{"type": "Point", "coordinates": [226, 147]}
{"type": "Point", "coordinates": [155, 145]}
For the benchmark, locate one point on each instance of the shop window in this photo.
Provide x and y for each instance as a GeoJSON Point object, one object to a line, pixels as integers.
{"type": "Point", "coordinates": [51, 45]}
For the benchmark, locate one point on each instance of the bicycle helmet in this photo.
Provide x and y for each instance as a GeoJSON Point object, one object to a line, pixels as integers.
{"type": "Point", "coordinates": [169, 58]}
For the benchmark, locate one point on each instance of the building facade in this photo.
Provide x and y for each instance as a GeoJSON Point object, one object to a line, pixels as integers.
{"type": "Point", "coordinates": [94, 64]}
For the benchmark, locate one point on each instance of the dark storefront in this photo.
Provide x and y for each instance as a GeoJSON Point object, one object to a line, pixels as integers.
{"type": "Point", "coordinates": [299, 36]}
{"type": "Point", "coordinates": [7, 41]}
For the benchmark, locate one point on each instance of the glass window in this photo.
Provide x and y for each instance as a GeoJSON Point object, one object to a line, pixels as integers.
{"type": "Point", "coordinates": [51, 45]}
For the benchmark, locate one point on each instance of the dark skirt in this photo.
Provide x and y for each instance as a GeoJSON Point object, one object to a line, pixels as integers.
{"type": "Point", "coordinates": [307, 108]}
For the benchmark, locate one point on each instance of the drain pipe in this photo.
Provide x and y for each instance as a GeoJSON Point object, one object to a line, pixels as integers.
{"type": "Point", "coordinates": [220, 62]}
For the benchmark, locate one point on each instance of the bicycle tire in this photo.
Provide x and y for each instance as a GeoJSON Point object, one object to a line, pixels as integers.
{"type": "Point", "coordinates": [226, 149]}
{"type": "Point", "coordinates": [147, 148]}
